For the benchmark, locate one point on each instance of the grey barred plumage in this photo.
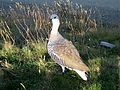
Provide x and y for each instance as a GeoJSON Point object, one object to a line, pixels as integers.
{"type": "Point", "coordinates": [52, 53]}
{"type": "Point", "coordinates": [63, 52]}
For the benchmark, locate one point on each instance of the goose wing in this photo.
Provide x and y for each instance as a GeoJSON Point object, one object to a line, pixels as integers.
{"type": "Point", "coordinates": [70, 56]}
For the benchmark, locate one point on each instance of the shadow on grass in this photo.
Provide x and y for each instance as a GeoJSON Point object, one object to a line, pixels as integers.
{"type": "Point", "coordinates": [109, 73]}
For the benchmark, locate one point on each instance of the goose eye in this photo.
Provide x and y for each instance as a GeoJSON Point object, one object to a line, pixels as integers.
{"type": "Point", "coordinates": [54, 17]}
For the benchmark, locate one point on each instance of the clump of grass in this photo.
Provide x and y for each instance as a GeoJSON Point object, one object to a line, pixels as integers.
{"type": "Point", "coordinates": [26, 64]}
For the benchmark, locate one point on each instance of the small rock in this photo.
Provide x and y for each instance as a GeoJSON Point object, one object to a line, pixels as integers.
{"type": "Point", "coordinates": [106, 44]}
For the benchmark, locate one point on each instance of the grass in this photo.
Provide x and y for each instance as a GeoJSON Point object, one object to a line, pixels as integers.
{"type": "Point", "coordinates": [27, 65]}
{"type": "Point", "coordinates": [33, 69]}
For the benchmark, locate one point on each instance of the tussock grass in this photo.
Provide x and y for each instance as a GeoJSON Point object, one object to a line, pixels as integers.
{"type": "Point", "coordinates": [23, 53]}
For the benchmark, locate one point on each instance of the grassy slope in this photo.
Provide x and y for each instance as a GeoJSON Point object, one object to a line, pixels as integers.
{"type": "Point", "coordinates": [33, 69]}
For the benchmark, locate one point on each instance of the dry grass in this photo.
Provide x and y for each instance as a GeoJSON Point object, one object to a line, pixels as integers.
{"type": "Point", "coordinates": [24, 30]}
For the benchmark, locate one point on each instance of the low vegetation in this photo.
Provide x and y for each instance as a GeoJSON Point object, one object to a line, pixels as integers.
{"type": "Point", "coordinates": [25, 63]}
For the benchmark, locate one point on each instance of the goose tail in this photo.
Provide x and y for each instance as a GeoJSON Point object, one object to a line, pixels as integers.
{"type": "Point", "coordinates": [81, 74]}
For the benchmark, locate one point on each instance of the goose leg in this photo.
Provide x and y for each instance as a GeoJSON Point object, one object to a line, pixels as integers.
{"type": "Point", "coordinates": [63, 68]}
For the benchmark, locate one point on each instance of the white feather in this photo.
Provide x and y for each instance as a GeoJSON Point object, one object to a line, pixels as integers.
{"type": "Point", "coordinates": [82, 74]}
